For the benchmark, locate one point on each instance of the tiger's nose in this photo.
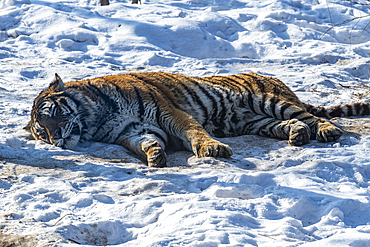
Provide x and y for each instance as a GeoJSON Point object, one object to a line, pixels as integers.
{"type": "Point", "coordinates": [57, 134]}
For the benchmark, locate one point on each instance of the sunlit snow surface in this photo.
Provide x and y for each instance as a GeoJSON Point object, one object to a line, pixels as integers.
{"type": "Point", "coordinates": [267, 194]}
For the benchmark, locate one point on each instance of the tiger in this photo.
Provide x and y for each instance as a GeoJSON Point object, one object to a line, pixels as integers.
{"type": "Point", "coordinates": [149, 112]}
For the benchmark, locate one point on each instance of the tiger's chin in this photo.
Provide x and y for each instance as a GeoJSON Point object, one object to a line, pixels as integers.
{"type": "Point", "coordinates": [67, 143]}
{"type": "Point", "coordinates": [70, 142]}
{"type": "Point", "coordinates": [58, 142]}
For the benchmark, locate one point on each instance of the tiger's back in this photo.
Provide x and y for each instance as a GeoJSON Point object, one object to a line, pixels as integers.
{"type": "Point", "coordinates": [219, 103]}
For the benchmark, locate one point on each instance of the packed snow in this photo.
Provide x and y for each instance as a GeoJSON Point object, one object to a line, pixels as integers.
{"type": "Point", "coordinates": [267, 194]}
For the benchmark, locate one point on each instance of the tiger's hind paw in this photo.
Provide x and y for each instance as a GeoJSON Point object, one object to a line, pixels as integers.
{"type": "Point", "coordinates": [212, 148]}
{"type": "Point", "coordinates": [299, 134]}
{"type": "Point", "coordinates": [328, 132]}
{"type": "Point", "coordinates": [156, 156]}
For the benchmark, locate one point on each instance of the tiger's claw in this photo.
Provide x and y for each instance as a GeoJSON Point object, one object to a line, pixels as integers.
{"type": "Point", "coordinates": [156, 156]}
{"type": "Point", "coordinates": [212, 148]}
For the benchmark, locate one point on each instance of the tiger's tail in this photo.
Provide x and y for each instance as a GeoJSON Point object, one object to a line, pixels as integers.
{"type": "Point", "coordinates": [355, 109]}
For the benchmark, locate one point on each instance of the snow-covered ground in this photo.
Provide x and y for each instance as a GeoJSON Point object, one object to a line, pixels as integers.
{"type": "Point", "coordinates": [267, 194]}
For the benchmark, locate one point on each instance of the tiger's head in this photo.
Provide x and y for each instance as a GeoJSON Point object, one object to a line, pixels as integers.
{"type": "Point", "coordinates": [55, 116]}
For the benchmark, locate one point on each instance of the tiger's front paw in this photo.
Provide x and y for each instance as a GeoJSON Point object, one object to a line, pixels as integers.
{"type": "Point", "coordinates": [328, 132]}
{"type": "Point", "coordinates": [156, 156]}
{"type": "Point", "coordinates": [299, 134]}
{"type": "Point", "coordinates": [212, 148]}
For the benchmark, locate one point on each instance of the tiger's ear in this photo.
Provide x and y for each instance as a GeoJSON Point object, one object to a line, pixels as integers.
{"type": "Point", "coordinates": [28, 127]}
{"type": "Point", "coordinates": [57, 84]}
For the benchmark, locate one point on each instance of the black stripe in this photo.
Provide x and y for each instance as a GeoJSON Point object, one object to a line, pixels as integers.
{"type": "Point", "coordinates": [76, 101]}
{"type": "Point", "coordinates": [120, 91]}
{"type": "Point", "coordinates": [196, 98]}
{"type": "Point", "coordinates": [178, 94]}
{"type": "Point", "coordinates": [251, 103]}
{"type": "Point", "coordinates": [246, 86]}
{"type": "Point", "coordinates": [306, 118]}
{"type": "Point", "coordinates": [153, 83]}
{"type": "Point", "coordinates": [234, 118]}
{"type": "Point", "coordinates": [249, 124]}
{"type": "Point", "coordinates": [108, 101]}
{"type": "Point", "coordinates": [317, 111]}
{"type": "Point", "coordinates": [366, 108]}
{"type": "Point", "coordinates": [44, 106]}
{"type": "Point", "coordinates": [358, 108]}
{"type": "Point", "coordinates": [52, 105]}
{"type": "Point", "coordinates": [65, 103]}
{"type": "Point", "coordinates": [218, 121]}
{"type": "Point", "coordinates": [350, 112]}
{"type": "Point", "coordinates": [75, 130]}
{"type": "Point", "coordinates": [263, 102]}
{"type": "Point", "coordinates": [125, 129]}
{"type": "Point", "coordinates": [156, 108]}
{"type": "Point", "coordinates": [263, 126]}
{"type": "Point", "coordinates": [37, 104]}
{"type": "Point", "coordinates": [54, 111]}
{"type": "Point", "coordinates": [284, 106]}
{"type": "Point", "coordinates": [246, 83]}
{"type": "Point", "coordinates": [231, 129]}
{"type": "Point", "coordinates": [212, 99]}
{"type": "Point", "coordinates": [250, 91]}
{"type": "Point", "coordinates": [296, 114]}
{"type": "Point", "coordinates": [336, 112]}
{"type": "Point", "coordinates": [140, 102]}
{"type": "Point", "coordinates": [309, 107]}
{"type": "Point", "coordinates": [321, 134]}
{"type": "Point", "coordinates": [102, 123]}
{"type": "Point", "coordinates": [273, 126]}
{"type": "Point", "coordinates": [228, 82]}
{"type": "Point", "coordinates": [257, 80]}
{"type": "Point", "coordinates": [274, 100]}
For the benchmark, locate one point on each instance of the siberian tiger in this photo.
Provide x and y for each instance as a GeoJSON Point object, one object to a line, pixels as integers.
{"type": "Point", "coordinates": [147, 112]}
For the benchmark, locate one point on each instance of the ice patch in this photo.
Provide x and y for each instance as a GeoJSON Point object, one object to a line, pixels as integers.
{"type": "Point", "coordinates": [46, 215]}
{"type": "Point", "coordinates": [156, 59]}
{"type": "Point", "coordinates": [8, 3]}
{"type": "Point", "coordinates": [81, 201]}
{"type": "Point", "coordinates": [306, 211]}
{"type": "Point", "coordinates": [4, 184]}
{"type": "Point", "coordinates": [366, 144]}
{"type": "Point", "coordinates": [14, 142]}
{"type": "Point", "coordinates": [359, 68]}
{"type": "Point", "coordinates": [99, 233]}
{"type": "Point", "coordinates": [234, 191]}
{"type": "Point", "coordinates": [104, 199]}
{"type": "Point", "coordinates": [335, 216]}
{"type": "Point", "coordinates": [65, 43]}
{"type": "Point", "coordinates": [20, 198]}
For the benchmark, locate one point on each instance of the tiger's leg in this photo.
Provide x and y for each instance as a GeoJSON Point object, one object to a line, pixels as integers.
{"type": "Point", "coordinates": [148, 142]}
{"type": "Point", "coordinates": [193, 135]}
{"type": "Point", "coordinates": [297, 132]}
{"type": "Point", "coordinates": [321, 129]}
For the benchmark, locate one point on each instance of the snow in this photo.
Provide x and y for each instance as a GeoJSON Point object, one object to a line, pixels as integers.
{"type": "Point", "coordinates": [267, 194]}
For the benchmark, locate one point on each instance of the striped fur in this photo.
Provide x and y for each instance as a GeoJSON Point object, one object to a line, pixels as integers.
{"type": "Point", "coordinates": [147, 112]}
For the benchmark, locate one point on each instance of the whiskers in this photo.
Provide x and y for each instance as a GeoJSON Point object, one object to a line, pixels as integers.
{"type": "Point", "coordinates": [73, 121]}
